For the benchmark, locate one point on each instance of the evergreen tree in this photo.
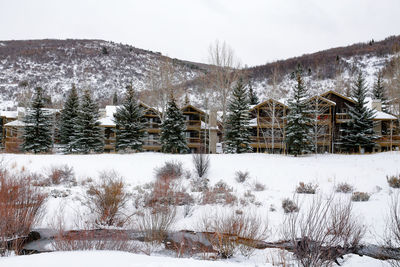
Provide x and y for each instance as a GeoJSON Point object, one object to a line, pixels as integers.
{"type": "Point", "coordinates": [89, 134]}
{"type": "Point", "coordinates": [129, 124]}
{"type": "Point", "coordinates": [115, 99]}
{"type": "Point", "coordinates": [252, 95]}
{"type": "Point", "coordinates": [237, 132]}
{"type": "Point", "coordinates": [359, 132]}
{"type": "Point", "coordinates": [173, 130]}
{"type": "Point", "coordinates": [38, 126]}
{"type": "Point", "coordinates": [379, 91]}
{"type": "Point", "coordinates": [69, 121]}
{"type": "Point", "coordinates": [299, 122]}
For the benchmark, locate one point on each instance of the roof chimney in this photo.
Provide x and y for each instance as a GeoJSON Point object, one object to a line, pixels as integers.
{"type": "Point", "coordinates": [377, 105]}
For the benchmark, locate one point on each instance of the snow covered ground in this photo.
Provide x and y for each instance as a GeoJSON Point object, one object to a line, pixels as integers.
{"type": "Point", "coordinates": [280, 174]}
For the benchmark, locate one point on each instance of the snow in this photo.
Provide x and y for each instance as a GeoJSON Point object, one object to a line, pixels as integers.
{"type": "Point", "coordinates": [16, 123]}
{"type": "Point", "coordinates": [107, 259]}
{"type": "Point", "coordinates": [279, 173]}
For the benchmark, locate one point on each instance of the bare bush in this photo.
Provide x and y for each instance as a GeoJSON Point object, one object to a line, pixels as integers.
{"type": "Point", "coordinates": [392, 235]}
{"type": "Point", "coordinates": [61, 174]}
{"type": "Point", "coordinates": [167, 192]}
{"type": "Point", "coordinates": [360, 196]}
{"type": "Point", "coordinates": [323, 232]}
{"type": "Point", "coordinates": [201, 164]}
{"type": "Point", "coordinates": [21, 207]}
{"type": "Point", "coordinates": [393, 181]}
{"type": "Point", "coordinates": [233, 231]}
{"type": "Point", "coordinates": [156, 222]}
{"type": "Point", "coordinates": [171, 170]}
{"type": "Point", "coordinates": [289, 206]}
{"type": "Point", "coordinates": [220, 193]}
{"type": "Point", "coordinates": [241, 176]}
{"type": "Point", "coordinates": [309, 188]}
{"type": "Point", "coordinates": [259, 187]}
{"type": "Point", "coordinates": [107, 199]}
{"type": "Point", "coordinates": [90, 240]}
{"type": "Point", "coordinates": [344, 188]}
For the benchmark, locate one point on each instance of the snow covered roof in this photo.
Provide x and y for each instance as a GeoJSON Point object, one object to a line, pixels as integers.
{"type": "Point", "coordinates": [253, 122]}
{"type": "Point", "coordinates": [16, 123]}
{"type": "Point", "coordinates": [9, 114]}
{"type": "Point", "coordinates": [379, 115]}
{"type": "Point", "coordinates": [266, 101]}
{"type": "Point", "coordinates": [106, 121]}
{"type": "Point", "coordinates": [323, 99]}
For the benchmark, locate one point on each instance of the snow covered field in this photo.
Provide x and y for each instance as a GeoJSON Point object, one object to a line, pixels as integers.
{"type": "Point", "coordinates": [280, 174]}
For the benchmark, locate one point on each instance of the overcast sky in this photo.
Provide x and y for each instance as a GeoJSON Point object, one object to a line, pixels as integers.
{"type": "Point", "coordinates": [259, 31]}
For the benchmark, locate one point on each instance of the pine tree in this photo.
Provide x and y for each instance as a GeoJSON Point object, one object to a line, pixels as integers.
{"type": "Point", "coordinates": [359, 132]}
{"type": "Point", "coordinates": [129, 124]}
{"type": "Point", "coordinates": [173, 130]}
{"type": "Point", "coordinates": [68, 122]}
{"type": "Point", "coordinates": [89, 134]}
{"type": "Point", "coordinates": [252, 95]}
{"type": "Point", "coordinates": [237, 132]}
{"type": "Point", "coordinates": [115, 98]}
{"type": "Point", "coordinates": [299, 122]}
{"type": "Point", "coordinates": [379, 91]}
{"type": "Point", "coordinates": [38, 126]}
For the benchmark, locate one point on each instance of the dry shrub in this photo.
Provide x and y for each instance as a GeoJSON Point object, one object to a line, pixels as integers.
{"type": "Point", "coordinates": [309, 188]}
{"type": "Point", "coordinates": [107, 200]}
{"type": "Point", "coordinates": [91, 240]}
{"type": "Point", "coordinates": [393, 181]}
{"type": "Point", "coordinates": [392, 235]}
{"type": "Point", "coordinates": [167, 192]}
{"type": "Point", "coordinates": [360, 196]}
{"type": "Point", "coordinates": [241, 176]}
{"type": "Point", "coordinates": [344, 188]}
{"type": "Point", "coordinates": [21, 207]}
{"type": "Point", "coordinates": [201, 164]}
{"type": "Point", "coordinates": [61, 174]}
{"type": "Point", "coordinates": [248, 197]}
{"type": "Point", "coordinates": [231, 231]}
{"type": "Point", "coordinates": [156, 222]}
{"type": "Point", "coordinates": [220, 193]}
{"type": "Point", "coordinates": [171, 170]}
{"type": "Point", "coordinates": [323, 232]}
{"type": "Point", "coordinates": [289, 206]}
{"type": "Point", "coordinates": [259, 187]}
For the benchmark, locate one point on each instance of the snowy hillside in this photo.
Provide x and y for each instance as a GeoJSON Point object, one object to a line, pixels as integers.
{"type": "Point", "coordinates": [279, 175]}
{"type": "Point", "coordinates": [104, 67]}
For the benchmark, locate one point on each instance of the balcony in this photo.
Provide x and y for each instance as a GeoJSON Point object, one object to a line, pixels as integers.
{"type": "Point", "coordinates": [190, 124]}
{"type": "Point", "coordinates": [152, 125]}
{"type": "Point", "coordinates": [342, 117]}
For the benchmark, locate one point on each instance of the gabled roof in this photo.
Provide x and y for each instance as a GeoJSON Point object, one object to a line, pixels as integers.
{"type": "Point", "coordinates": [147, 107]}
{"type": "Point", "coordinates": [193, 107]}
{"type": "Point", "coordinates": [330, 102]}
{"type": "Point", "coordinates": [266, 101]}
{"type": "Point", "coordinates": [339, 95]}
{"type": "Point", "coordinates": [16, 123]}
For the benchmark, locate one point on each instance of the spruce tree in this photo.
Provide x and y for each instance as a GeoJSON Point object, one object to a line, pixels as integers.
{"type": "Point", "coordinates": [299, 122]}
{"type": "Point", "coordinates": [378, 91]}
{"type": "Point", "coordinates": [38, 126]}
{"type": "Point", "coordinates": [115, 98]}
{"type": "Point", "coordinates": [173, 130]}
{"type": "Point", "coordinates": [237, 132]}
{"type": "Point", "coordinates": [252, 95]}
{"type": "Point", "coordinates": [69, 121]}
{"type": "Point", "coordinates": [89, 134]}
{"type": "Point", "coordinates": [129, 124]}
{"type": "Point", "coordinates": [359, 132]}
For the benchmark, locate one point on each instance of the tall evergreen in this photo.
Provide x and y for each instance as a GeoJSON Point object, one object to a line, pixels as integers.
{"type": "Point", "coordinates": [69, 121]}
{"type": "Point", "coordinates": [359, 132]}
{"type": "Point", "coordinates": [299, 122]}
{"type": "Point", "coordinates": [38, 126]}
{"type": "Point", "coordinates": [173, 130]}
{"type": "Point", "coordinates": [115, 98]}
{"type": "Point", "coordinates": [237, 131]}
{"type": "Point", "coordinates": [379, 91]}
{"type": "Point", "coordinates": [89, 134]}
{"type": "Point", "coordinates": [129, 124]}
{"type": "Point", "coordinates": [252, 95]}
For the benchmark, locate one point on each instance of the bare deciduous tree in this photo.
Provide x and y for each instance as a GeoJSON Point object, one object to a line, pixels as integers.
{"type": "Point", "coordinates": [224, 73]}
